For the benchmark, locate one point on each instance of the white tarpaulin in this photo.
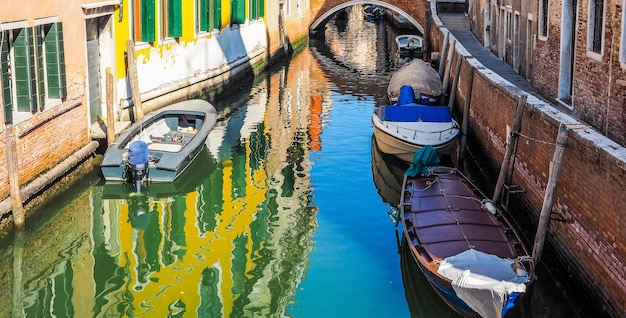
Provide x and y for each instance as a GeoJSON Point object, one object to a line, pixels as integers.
{"type": "Point", "coordinates": [483, 280]}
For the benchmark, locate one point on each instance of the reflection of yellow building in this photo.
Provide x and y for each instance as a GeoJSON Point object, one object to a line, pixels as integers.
{"type": "Point", "coordinates": [232, 242]}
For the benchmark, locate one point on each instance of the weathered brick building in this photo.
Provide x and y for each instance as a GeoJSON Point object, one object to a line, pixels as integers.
{"type": "Point", "coordinates": [576, 53]}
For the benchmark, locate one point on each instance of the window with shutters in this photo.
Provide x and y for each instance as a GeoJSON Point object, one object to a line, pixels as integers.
{"type": "Point", "coordinates": [543, 18]}
{"type": "Point", "coordinates": [144, 20]}
{"type": "Point", "coordinates": [209, 15]}
{"type": "Point", "coordinates": [171, 22]}
{"type": "Point", "coordinates": [238, 12]}
{"type": "Point", "coordinates": [257, 9]}
{"type": "Point", "coordinates": [33, 70]}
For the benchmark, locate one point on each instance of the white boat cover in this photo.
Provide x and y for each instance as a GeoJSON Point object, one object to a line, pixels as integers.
{"type": "Point", "coordinates": [483, 280]}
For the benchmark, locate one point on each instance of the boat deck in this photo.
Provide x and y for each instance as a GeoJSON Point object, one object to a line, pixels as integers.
{"type": "Point", "coordinates": [444, 217]}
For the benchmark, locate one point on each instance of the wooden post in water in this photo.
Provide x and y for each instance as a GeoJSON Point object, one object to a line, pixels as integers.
{"type": "Point", "coordinates": [14, 177]}
{"type": "Point", "coordinates": [426, 48]}
{"type": "Point", "coordinates": [132, 77]}
{"type": "Point", "coordinates": [455, 83]}
{"type": "Point", "coordinates": [466, 113]}
{"type": "Point", "coordinates": [444, 52]}
{"type": "Point", "coordinates": [517, 125]}
{"type": "Point", "coordinates": [448, 70]}
{"type": "Point", "coordinates": [548, 198]}
{"type": "Point", "coordinates": [110, 111]}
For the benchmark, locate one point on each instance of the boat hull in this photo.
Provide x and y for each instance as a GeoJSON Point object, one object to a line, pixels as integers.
{"type": "Point", "coordinates": [168, 157]}
{"type": "Point", "coordinates": [444, 216]}
{"type": "Point", "coordinates": [400, 139]}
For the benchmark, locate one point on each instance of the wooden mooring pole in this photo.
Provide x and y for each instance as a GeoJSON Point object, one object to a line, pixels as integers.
{"type": "Point", "coordinates": [506, 162]}
{"type": "Point", "coordinates": [455, 83]}
{"type": "Point", "coordinates": [14, 177]}
{"type": "Point", "coordinates": [548, 199]}
{"type": "Point", "coordinates": [466, 113]}
{"type": "Point", "coordinates": [132, 77]}
{"type": "Point", "coordinates": [444, 52]}
{"type": "Point", "coordinates": [110, 111]}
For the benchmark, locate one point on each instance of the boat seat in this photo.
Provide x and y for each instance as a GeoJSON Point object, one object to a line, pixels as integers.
{"type": "Point", "coordinates": [166, 147]}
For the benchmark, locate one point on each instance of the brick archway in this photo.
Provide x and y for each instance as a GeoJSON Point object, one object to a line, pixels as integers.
{"type": "Point", "coordinates": [323, 10]}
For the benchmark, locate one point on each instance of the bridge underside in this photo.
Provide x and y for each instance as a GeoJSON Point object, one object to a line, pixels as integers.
{"type": "Point", "coordinates": [414, 13]}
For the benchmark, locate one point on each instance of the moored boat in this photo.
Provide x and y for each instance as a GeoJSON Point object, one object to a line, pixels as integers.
{"type": "Point", "coordinates": [405, 128]}
{"type": "Point", "coordinates": [468, 251]}
{"type": "Point", "coordinates": [160, 146]}
{"type": "Point", "coordinates": [409, 42]}
{"type": "Point", "coordinates": [424, 80]}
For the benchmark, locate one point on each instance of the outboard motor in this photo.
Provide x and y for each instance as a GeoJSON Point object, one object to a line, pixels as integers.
{"type": "Point", "coordinates": [137, 165]}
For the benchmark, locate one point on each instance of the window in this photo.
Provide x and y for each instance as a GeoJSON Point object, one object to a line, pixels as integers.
{"type": "Point", "coordinates": [144, 23]}
{"type": "Point", "coordinates": [257, 9]}
{"type": "Point", "coordinates": [596, 26]}
{"type": "Point", "coordinates": [209, 15]}
{"type": "Point", "coordinates": [238, 12]}
{"type": "Point", "coordinates": [33, 68]}
{"type": "Point", "coordinates": [172, 18]}
{"type": "Point", "coordinates": [509, 24]}
{"type": "Point", "coordinates": [543, 18]}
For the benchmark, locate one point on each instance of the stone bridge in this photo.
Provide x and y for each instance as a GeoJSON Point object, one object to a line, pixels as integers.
{"type": "Point", "coordinates": [323, 10]}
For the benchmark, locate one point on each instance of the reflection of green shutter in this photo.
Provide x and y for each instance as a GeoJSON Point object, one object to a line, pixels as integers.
{"type": "Point", "coordinates": [41, 87]}
{"type": "Point", "coordinates": [55, 61]}
{"type": "Point", "coordinates": [175, 18]}
{"type": "Point", "coordinates": [238, 13]}
{"type": "Point", "coordinates": [217, 14]}
{"type": "Point", "coordinates": [203, 14]}
{"type": "Point", "coordinates": [253, 10]}
{"type": "Point", "coordinates": [148, 21]}
{"type": "Point", "coordinates": [6, 80]}
{"type": "Point", "coordinates": [24, 62]}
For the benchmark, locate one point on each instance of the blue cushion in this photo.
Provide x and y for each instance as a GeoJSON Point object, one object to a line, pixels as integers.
{"type": "Point", "coordinates": [415, 112]}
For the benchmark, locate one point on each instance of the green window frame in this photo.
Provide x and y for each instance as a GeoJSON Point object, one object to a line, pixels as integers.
{"type": "Point", "coordinates": [33, 68]}
{"type": "Point", "coordinates": [24, 70]}
{"type": "Point", "coordinates": [145, 20]}
{"type": "Point", "coordinates": [7, 99]}
{"type": "Point", "coordinates": [209, 15]}
{"type": "Point", "coordinates": [238, 12]}
{"type": "Point", "coordinates": [257, 9]}
{"type": "Point", "coordinates": [174, 14]}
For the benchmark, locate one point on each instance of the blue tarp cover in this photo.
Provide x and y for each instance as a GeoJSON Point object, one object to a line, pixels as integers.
{"type": "Point", "coordinates": [415, 112]}
{"type": "Point", "coordinates": [407, 95]}
{"type": "Point", "coordinates": [138, 152]}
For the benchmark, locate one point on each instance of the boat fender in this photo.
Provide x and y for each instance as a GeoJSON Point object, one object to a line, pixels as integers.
{"type": "Point", "coordinates": [490, 206]}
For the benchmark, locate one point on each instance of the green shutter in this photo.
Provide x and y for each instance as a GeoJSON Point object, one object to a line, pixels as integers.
{"type": "Point", "coordinates": [148, 21]}
{"type": "Point", "coordinates": [261, 8]}
{"type": "Point", "coordinates": [203, 15]}
{"type": "Point", "coordinates": [24, 62]}
{"type": "Point", "coordinates": [217, 14]}
{"type": "Point", "coordinates": [6, 79]}
{"type": "Point", "coordinates": [175, 18]}
{"type": "Point", "coordinates": [238, 14]}
{"type": "Point", "coordinates": [41, 87]}
{"type": "Point", "coordinates": [55, 61]}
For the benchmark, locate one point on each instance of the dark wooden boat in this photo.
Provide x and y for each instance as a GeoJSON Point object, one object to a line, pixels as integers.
{"type": "Point", "coordinates": [160, 146]}
{"type": "Point", "coordinates": [467, 249]}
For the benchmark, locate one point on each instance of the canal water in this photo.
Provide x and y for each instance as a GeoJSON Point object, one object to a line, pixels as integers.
{"type": "Point", "coordinates": [284, 213]}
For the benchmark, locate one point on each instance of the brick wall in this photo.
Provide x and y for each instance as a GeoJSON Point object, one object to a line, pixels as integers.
{"type": "Point", "coordinates": [45, 141]}
{"type": "Point", "coordinates": [586, 244]}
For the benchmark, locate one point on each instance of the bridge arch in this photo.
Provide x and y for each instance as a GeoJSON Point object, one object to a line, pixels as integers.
{"type": "Point", "coordinates": [411, 12]}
